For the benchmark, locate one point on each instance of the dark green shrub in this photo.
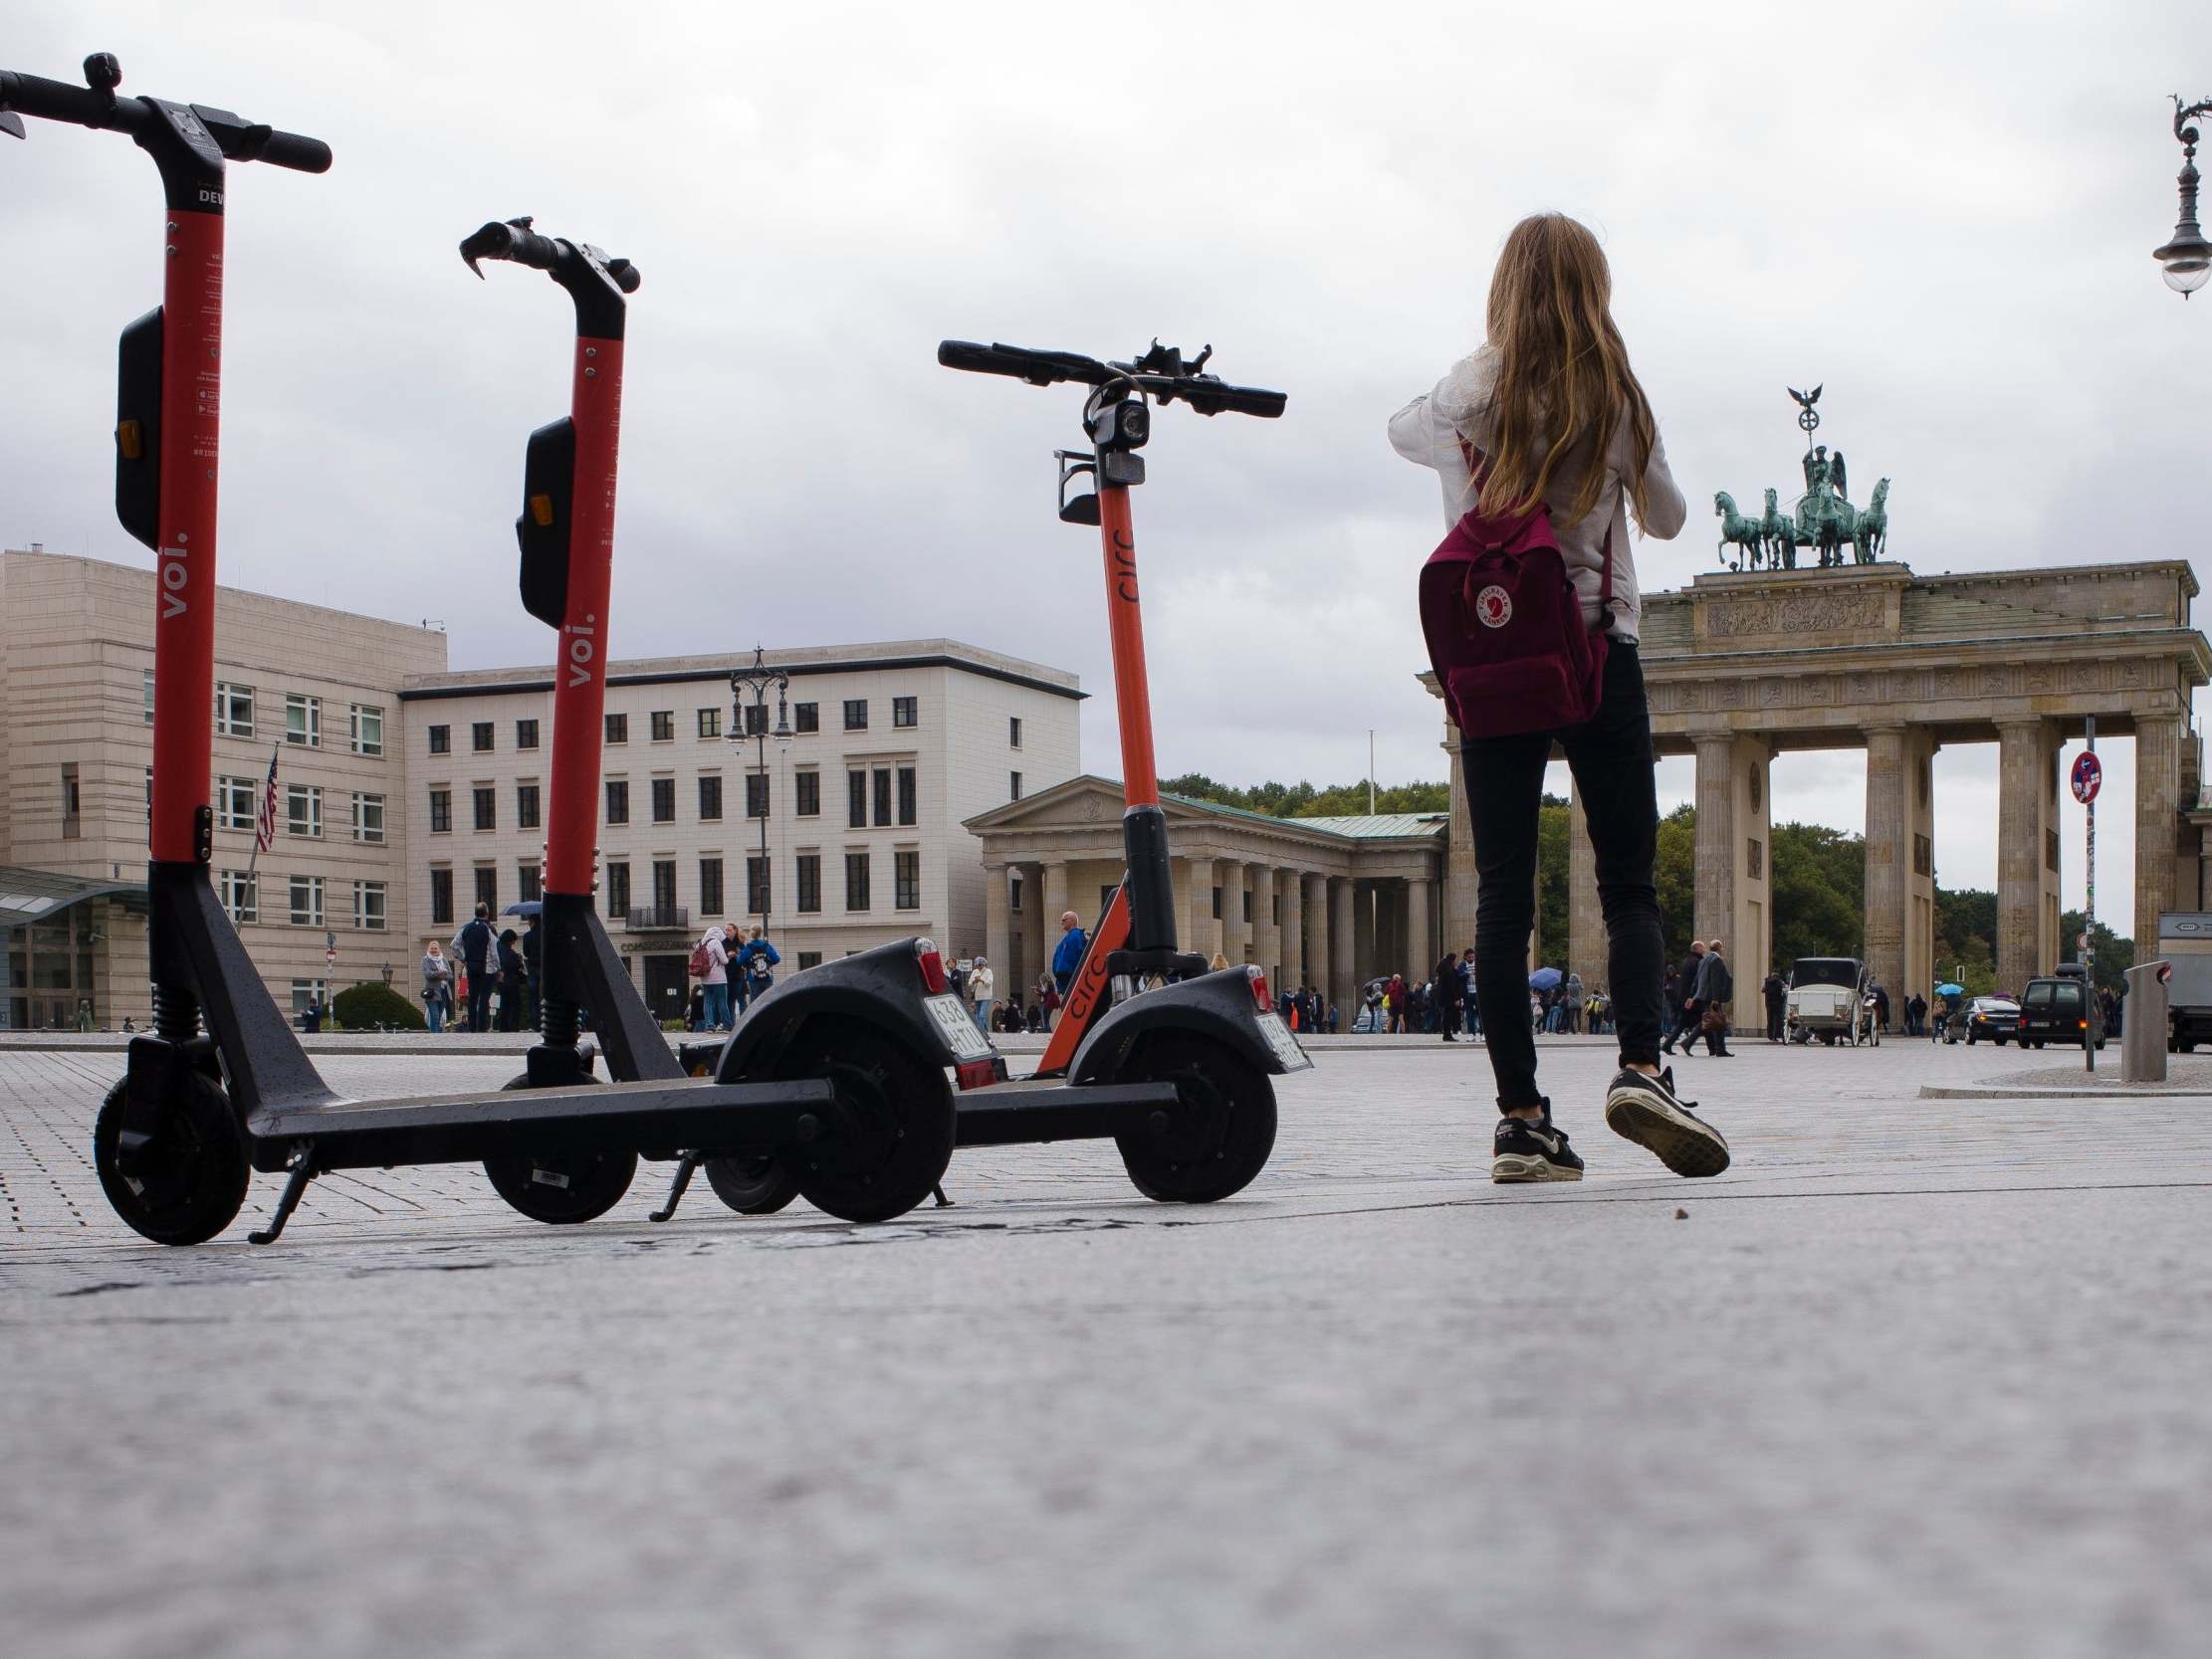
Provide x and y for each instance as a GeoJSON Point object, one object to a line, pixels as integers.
{"type": "Point", "coordinates": [364, 1007]}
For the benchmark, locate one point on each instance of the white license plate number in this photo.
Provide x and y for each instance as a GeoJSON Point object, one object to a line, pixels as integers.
{"type": "Point", "coordinates": [957, 1027]}
{"type": "Point", "coordinates": [1293, 1058]}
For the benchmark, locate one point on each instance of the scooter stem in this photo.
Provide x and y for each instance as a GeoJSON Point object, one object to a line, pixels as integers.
{"type": "Point", "coordinates": [1143, 824]}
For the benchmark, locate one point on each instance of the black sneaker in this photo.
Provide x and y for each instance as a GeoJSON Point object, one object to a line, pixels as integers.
{"type": "Point", "coordinates": [1644, 1109]}
{"type": "Point", "coordinates": [1532, 1152]}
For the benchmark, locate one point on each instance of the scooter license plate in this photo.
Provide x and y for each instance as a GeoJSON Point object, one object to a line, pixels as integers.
{"type": "Point", "coordinates": [957, 1027]}
{"type": "Point", "coordinates": [1293, 1058]}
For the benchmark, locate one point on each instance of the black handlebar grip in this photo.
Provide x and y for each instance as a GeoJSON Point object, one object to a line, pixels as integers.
{"type": "Point", "coordinates": [286, 150]}
{"type": "Point", "coordinates": [624, 274]}
{"type": "Point", "coordinates": [1247, 400]}
{"type": "Point", "coordinates": [972, 356]}
{"type": "Point", "coordinates": [54, 101]}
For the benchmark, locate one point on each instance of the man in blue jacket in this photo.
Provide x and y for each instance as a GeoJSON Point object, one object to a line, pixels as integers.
{"type": "Point", "coordinates": [1069, 956]}
{"type": "Point", "coordinates": [753, 970]}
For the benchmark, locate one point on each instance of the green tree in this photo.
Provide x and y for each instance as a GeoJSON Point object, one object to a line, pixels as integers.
{"type": "Point", "coordinates": [1966, 939]}
{"type": "Point", "coordinates": [1551, 880]}
{"type": "Point", "coordinates": [2115, 955]}
{"type": "Point", "coordinates": [1818, 880]}
{"type": "Point", "coordinates": [1675, 870]}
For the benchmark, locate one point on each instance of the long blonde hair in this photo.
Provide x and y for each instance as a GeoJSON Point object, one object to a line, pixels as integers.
{"type": "Point", "coordinates": [1563, 383]}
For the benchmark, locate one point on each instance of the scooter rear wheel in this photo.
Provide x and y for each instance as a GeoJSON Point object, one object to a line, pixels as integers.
{"type": "Point", "coordinates": [891, 1132]}
{"type": "Point", "coordinates": [191, 1183]}
{"type": "Point", "coordinates": [561, 1190]}
{"type": "Point", "coordinates": [1218, 1136]}
{"type": "Point", "coordinates": [751, 1185]}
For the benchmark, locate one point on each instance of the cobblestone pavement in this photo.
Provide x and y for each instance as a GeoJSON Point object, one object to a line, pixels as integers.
{"type": "Point", "coordinates": [1913, 1377]}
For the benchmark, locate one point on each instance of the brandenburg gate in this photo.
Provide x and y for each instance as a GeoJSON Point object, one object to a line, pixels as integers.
{"type": "Point", "coordinates": [1741, 666]}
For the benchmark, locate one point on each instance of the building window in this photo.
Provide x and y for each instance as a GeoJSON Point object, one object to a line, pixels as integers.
{"type": "Point", "coordinates": [756, 720]}
{"type": "Point", "coordinates": [150, 697]}
{"type": "Point", "coordinates": [757, 885]}
{"type": "Point", "coordinates": [302, 721]}
{"type": "Point", "coordinates": [664, 800]}
{"type": "Point", "coordinates": [904, 712]}
{"type": "Point", "coordinates": [530, 883]}
{"type": "Point", "coordinates": [234, 710]}
{"type": "Point", "coordinates": [441, 740]}
{"type": "Point", "coordinates": [234, 803]}
{"type": "Point", "coordinates": [619, 803]}
{"type": "Point", "coordinates": [809, 959]}
{"type": "Point", "coordinates": [73, 800]}
{"type": "Point", "coordinates": [441, 898]}
{"type": "Point", "coordinates": [757, 794]}
{"type": "Point", "coordinates": [856, 714]}
{"type": "Point", "coordinates": [856, 880]}
{"type": "Point", "coordinates": [809, 872]}
{"type": "Point", "coordinates": [806, 716]}
{"type": "Point", "coordinates": [367, 729]}
{"type": "Point", "coordinates": [306, 901]}
{"type": "Point", "coordinates": [710, 886]}
{"type": "Point", "coordinates": [525, 734]}
{"type": "Point", "coordinates": [1013, 787]}
{"type": "Point", "coordinates": [808, 787]}
{"type": "Point", "coordinates": [486, 797]}
{"type": "Point", "coordinates": [710, 798]}
{"type": "Point", "coordinates": [664, 888]}
{"type": "Point", "coordinates": [1013, 890]}
{"type": "Point", "coordinates": [303, 810]}
{"type": "Point", "coordinates": [663, 722]}
{"type": "Point", "coordinates": [883, 795]}
{"type": "Point", "coordinates": [241, 893]}
{"type": "Point", "coordinates": [308, 994]}
{"type": "Point", "coordinates": [1013, 732]}
{"type": "Point", "coordinates": [480, 737]}
{"type": "Point", "coordinates": [368, 907]}
{"type": "Point", "coordinates": [1247, 895]}
{"type": "Point", "coordinates": [486, 886]}
{"type": "Point", "coordinates": [906, 881]}
{"type": "Point", "coordinates": [906, 795]}
{"type": "Point", "coordinates": [369, 818]}
{"type": "Point", "coordinates": [709, 723]}
{"type": "Point", "coordinates": [525, 806]}
{"type": "Point", "coordinates": [618, 728]}
{"type": "Point", "coordinates": [441, 811]}
{"type": "Point", "coordinates": [619, 889]}
{"type": "Point", "coordinates": [1216, 903]}
{"type": "Point", "coordinates": [856, 800]}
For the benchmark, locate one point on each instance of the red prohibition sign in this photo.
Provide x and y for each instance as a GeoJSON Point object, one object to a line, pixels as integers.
{"type": "Point", "coordinates": [2088, 777]}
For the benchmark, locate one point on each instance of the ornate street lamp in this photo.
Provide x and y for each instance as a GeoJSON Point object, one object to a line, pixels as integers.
{"type": "Point", "coordinates": [757, 679]}
{"type": "Point", "coordinates": [2188, 256]}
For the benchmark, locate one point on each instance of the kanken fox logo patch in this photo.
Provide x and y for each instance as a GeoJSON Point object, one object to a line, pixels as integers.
{"type": "Point", "coordinates": [1493, 606]}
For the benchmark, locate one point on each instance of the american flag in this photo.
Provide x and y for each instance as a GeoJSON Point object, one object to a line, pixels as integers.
{"type": "Point", "coordinates": [265, 825]}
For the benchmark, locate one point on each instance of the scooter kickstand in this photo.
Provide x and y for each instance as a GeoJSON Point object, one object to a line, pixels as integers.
{"type": "Point", "coordinates": [943, 1202]}
{"type": "Point", "coordinates": [303, 1172]}
{"type": "Point", "coordinates": [684, 1166]}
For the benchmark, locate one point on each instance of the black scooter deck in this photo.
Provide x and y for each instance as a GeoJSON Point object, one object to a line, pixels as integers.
{"type": "Point", "coordinates": [1037, 1110]}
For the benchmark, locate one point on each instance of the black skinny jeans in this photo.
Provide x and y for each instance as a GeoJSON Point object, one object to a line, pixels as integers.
{"type": "Point", "coordinates": [1611, 758]}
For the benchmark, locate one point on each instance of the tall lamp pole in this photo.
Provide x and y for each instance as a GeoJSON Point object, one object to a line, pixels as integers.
{"type": "Point", "coordinates": [2188, 256]}
{"type": "Point", "coordinates": [757, 679]}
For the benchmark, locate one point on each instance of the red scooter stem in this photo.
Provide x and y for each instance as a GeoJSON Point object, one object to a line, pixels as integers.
{"type": "Point", "coordinates": [1126, 628]}
{"type": "Point", "coordinates": [184, 567]}
{"type": "Point", "coordinates": [580, 670]}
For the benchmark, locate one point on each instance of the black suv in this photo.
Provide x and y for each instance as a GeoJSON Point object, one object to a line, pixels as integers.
{"type": "Point", "coordinates": [2056, 1010]}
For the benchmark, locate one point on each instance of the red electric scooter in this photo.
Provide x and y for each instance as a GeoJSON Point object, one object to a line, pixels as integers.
{"type": "Point", "coordinates": [873, 1026]}
{"type": "Point", "coordinates": [176, 1139]}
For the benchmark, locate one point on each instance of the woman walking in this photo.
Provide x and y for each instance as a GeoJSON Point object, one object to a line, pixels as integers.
{"type": "Point", "coordinates": [437, 984]}
{"type": "Point", "coordinates": [1549, 414]}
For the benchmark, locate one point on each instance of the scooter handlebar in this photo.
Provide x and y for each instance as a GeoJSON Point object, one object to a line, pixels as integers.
{"type": "Point", "coordinates": [514, 241]}
{"type": "Point", "coordinates": [284, 149]}
{"type": "Point", "coordinates": [98, 107]}
{"type": "Point", "coordinates": [1202, 392]}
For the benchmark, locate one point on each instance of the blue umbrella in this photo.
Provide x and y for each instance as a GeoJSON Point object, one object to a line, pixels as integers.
{"type": "Point", "coordinates": [1544, 979]}
{"type": "Point", "coordinates": [1950, 990]}
{"type": "Point", "coordinates": [528, 907]}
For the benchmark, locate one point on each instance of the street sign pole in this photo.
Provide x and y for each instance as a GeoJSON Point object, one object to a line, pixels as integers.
{"type": "Point", "coordinates": [2088, 915]}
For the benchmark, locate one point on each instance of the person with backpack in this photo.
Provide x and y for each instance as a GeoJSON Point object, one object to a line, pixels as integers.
{"type": "Point", "coordinates": [710, 965]}
{"type": "Point", "coordinates": [474, 948]}
{"type": "Point", "coordinates": [1543, 441]}
{"type": "Point", "coordinates": [757, 962]}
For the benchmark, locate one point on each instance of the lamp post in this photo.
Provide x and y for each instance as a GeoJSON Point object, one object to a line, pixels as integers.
{"type": "Point", "coordinates": [757, 679]}
{"type": "Point", "coordinates": [2188, 256]}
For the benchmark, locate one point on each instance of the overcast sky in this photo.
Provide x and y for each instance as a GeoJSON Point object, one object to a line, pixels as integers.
{"type": "Point", "coordinates": [1943, 213]}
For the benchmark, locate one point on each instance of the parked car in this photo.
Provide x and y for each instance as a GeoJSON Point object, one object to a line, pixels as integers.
{"type": "Point", "coordinates": [1994, 1017]}
{"type": "Point", "coordinates": [2056, 1010]}
{"type": "Point", "coordinates": [1830, 998]}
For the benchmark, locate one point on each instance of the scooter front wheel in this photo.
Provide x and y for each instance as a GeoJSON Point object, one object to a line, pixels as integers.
{"type": "Point", "coordinates": [890, 1133]}
{"type": "Point", "coordinates": [561, 1190]}
{"type": "Point", "coordinates": [1219, 1134]}
{"type": "Point", "coordinates": [751, 1185]}
{"type": "Point", "coordinates": [190, 1182]}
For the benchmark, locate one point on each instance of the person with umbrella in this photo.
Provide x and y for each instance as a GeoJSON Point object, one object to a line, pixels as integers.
{"type": "Point", "coordinates": [1943, 995]}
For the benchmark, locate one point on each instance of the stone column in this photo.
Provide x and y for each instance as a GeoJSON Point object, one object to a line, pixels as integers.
{"type": "Point", "coordinates": [1363, 930]}
{"type": "Point", "coordinates": [1235, 931]}
{"type": "Point", "coordinates": [1734, 873]}
{"type": "Point", "coordinates": [2157, 806]}
{"type": "Point", "coordinates": [1052, 892]}
{"type": "Point", "coordinates": [1317, 930]}
{"type": "Point", "coordinates": [1343, 975]}
{"type": "Point", "coordinates": [1919, 871]}
{"type": "Point", "coordinates": [1586, 932]}
{"type": "Point", "coordinates": [1291, 960]}
{"type": "Point", "coordinates": [1267, 937]}
{"type": "Point", "coordinates": [2027, 850]}
{"type": "Point", "coordinates": [1716, 868]}
{"type": "Point", "coordinates": [1420, 942]}
{"type": "Point", "coordinates": [1459, 869]}
{"type": "Point", "coordinates": [1888, 854]}
{"type": "Point", "coordinates": [998, 929]}
{"type": "Point", "coordinates": [1200, 932]}
{"type": "Point", "coordinates": [1029, 924]}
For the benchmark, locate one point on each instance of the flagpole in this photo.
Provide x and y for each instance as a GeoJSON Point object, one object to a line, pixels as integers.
{"type": "Point", "coordinates": [268, 787]}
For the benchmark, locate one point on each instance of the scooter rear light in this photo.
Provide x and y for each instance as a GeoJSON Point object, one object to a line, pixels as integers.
{"type": "Point", "coordinates": [976, 1074]}
{"type": "Point", "coordinates": [1260, 999]}
{"type": "Point", "coordinates": [931, 965]}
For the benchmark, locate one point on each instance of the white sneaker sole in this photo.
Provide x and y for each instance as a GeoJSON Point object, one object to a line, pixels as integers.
{"type": "Point", "coordinates": [1509, 1167]}
{"type": "Point", "coordinates": [1674, 1138]}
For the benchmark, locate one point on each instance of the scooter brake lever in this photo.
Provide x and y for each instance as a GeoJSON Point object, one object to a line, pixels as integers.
{"type": "Point", "coordinates": [11, 123]}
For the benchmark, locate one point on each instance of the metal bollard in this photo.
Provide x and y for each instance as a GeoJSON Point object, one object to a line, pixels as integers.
{"type": "Point", "coordinates": [2143, 1040]}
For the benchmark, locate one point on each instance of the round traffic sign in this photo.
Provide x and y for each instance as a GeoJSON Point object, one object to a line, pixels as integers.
{"type": "Point", "coordinates": [2088, 777]}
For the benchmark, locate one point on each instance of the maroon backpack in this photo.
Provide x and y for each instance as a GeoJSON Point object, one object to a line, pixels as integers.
{"type": "Point", "coordinates": [1505, 625]}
